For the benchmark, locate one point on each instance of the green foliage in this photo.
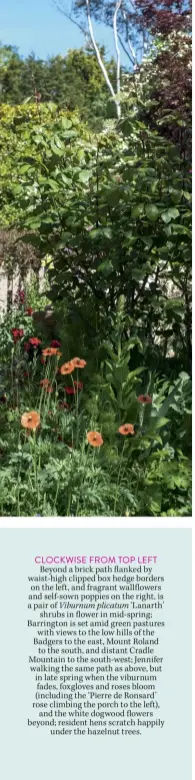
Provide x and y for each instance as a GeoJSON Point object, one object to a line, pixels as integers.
{"type": "Point", "coordinates": [102, 206]}
{"type": "Point", "coordinates": [163, 87]}
{"type": "Point", "coordinates": [32, 292]}
{"type": "Point", "coordinates": [71, 82]}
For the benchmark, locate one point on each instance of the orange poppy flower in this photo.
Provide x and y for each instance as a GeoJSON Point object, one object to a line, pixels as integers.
{"type": "Point", "coordinates": [78, 363]}
{"type": "Point", "coordinates": [94, 438]}
{"type": "Point", "coordinates": [44, 382]}
{"type": "Point", "coordinates": [30, 420]}
{"type": "Point", "coordinates": [49, 389]}
{"type": "Point", "coordinates": [127, 428]}
{"type": "Point", "coordinates": [144, 399]}
{"type": "Point", "coordinates": [67, 368]}
{"type": "Point", "coordinates": [50, 351]}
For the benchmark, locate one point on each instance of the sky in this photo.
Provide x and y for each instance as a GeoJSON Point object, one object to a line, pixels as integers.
{"type": "Point", "coordinates": [36, 25]}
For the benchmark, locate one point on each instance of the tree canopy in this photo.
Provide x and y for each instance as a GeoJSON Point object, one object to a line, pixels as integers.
{"type": "Point", "coordinates": [71, 81]}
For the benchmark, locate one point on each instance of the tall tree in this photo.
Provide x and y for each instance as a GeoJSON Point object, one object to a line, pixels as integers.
{"type": "Point", "coordinates": [134, 23]}
{"type": "Point", "coordinates": [164, 85]}
{"type": "Point", "coordinates": [72, 81]}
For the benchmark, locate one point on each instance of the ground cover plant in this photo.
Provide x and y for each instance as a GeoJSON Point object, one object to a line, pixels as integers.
{"type": "Point", "coordinates": [95, 369]}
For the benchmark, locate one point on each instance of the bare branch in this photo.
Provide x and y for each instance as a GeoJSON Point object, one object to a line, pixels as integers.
{"type": "Point", "coordinates": [125, 50]}
{"type": "Point", "coordinates": [118, 64]}
{"type": "Point", "coordinates": [100, 61]}
{"type": "Point", "coordinates": [70, 17]}
{"type": "Point", "coordinates": [60, 8]}
{"type": "Point", "coordinates": [131, 49]}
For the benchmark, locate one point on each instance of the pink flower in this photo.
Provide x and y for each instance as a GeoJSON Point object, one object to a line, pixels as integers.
{"type": "Point", "coordinates": [21, 296]}
{"type": "Point", "coordinates": [144, 399]}
{"type": "Point", "coordinates": [29, 311]}
{"type": "Point", "coordinates": [70, 390]}
{"type": "Point", "coordinates": [55, 343]}
{"type": "Point", "coordinates": [34, 341]}
{"type": "Point", "coordinates": [17, 333]}
{"type": "Point", "coordinates": [78, 385]}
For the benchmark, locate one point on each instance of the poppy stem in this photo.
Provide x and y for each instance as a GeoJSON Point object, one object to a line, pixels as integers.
{"type": "Point", "coordinates": [56, 495]}
{"type": "Point", "coordinates": [141, 416]}
{"type": "Point", "coordinates": [17, 394]}
{"type": "Point", "coordinates": [77, 398]}
{"type": "Point", "coordinates": [34, 457]}
{"type": "Point", "coordinates": [29, 388]}
{"type": "Point", "coordinates": [12, 374]}
{"type": "Point", "coordinates": [18, 492]}
{"type": "Point", "coordinates": [69, 501]}
{"type": "Point", "coordinates": [77, 411]}
{"type": "Point", "coordinates": [119, 473]}
{"type": "Point", "coordinates": [42, 396]}
{"type": "Point", "coordinates": [82, 482]}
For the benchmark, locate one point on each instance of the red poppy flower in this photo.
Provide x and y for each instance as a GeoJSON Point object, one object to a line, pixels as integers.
{"type": "Point", "coordinates": [70, 390]}
{"type": "Point", "coordinates": [34, 341]}
{"type": "Point", "coordinates": [29, 311]}
{"type": "Point", "coordinates": [25, 374]}
{"type": "Point", "coordinates": [144, 399]}
{"type": "Point", "coordinates": [63, 405]}
{"type": "Point", "coordinates": [78, 385]}
{"type": "Point", "coordinates": [55, 343]}
{"type": "Point", "coordinates": [48, 389]}
{"type": "Point", "coordinates": [21, 296]}
{"type": "Point", "coordinates": [26, 346]}
{"type": "Point", "coordinates": [17, 334]}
